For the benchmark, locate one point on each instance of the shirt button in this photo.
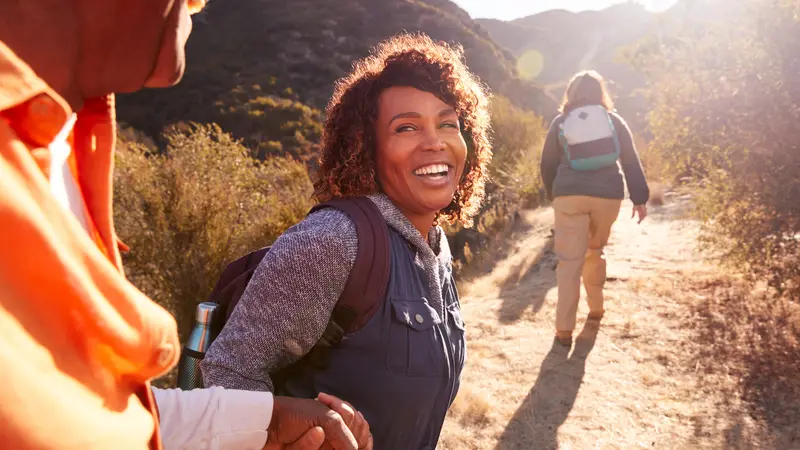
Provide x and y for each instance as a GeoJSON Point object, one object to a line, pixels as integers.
{"type": "Point", "coordinates": [42, 106]}
{"type": "Point", "coordinates": [419, 318]}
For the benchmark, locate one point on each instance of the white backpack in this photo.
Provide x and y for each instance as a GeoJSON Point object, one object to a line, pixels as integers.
{"type": "Point", "coordinates": [589, 138]}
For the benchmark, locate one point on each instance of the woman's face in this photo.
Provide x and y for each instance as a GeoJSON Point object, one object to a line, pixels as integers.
{"type": "Point", "coordinates": [420, 151]}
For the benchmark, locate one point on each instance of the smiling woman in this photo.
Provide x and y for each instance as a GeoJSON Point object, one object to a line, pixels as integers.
{"type": "Point", "coordinates": [407, 129]}
{"type": "Point", "coordinates": [411, 102]}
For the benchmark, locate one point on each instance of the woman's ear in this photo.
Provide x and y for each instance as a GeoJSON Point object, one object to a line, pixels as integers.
{"type": "Point", "coordinates": [370, 149]}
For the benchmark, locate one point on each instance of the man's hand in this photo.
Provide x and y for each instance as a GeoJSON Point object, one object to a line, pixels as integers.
{"type": "Point", "coordinates": [311, 440]}
{"type": "Point", "coordinates": [304, 424]}
{"type": "Point", "coordinates": [354, 420]}
{"type": "Point", "coordinates": [641, 210]}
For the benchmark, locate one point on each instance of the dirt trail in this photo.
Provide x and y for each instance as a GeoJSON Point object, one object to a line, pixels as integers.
{"type": "Point", "coordinates": [626, 385]}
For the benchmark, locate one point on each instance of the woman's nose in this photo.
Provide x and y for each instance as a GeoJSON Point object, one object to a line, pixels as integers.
{"type": "Point", "coordinates": [433, 142]}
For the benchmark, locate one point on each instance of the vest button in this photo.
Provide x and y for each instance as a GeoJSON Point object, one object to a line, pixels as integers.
{"type": "Point", "coordinates": [42, 106]}
{"type": "Point", "coordinates": [419, 318]}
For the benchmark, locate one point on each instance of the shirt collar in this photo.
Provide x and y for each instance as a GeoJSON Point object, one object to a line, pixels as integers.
{"type": "Point", "coordinates": [37, 113]}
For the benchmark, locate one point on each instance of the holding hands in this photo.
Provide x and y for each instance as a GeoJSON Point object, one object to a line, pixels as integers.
{"type": "Point", "coordinates": [326, 423]}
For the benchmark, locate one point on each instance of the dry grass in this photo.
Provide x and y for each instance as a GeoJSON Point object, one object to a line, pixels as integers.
{"type": "Point", "coordinates": [658, 194]}
{"type": "Point", "coordinates": [471, 408]}
{"type": "Point", "coordinates": [752, 338]}
{"type": "Point", "coordinates": [653, 375]}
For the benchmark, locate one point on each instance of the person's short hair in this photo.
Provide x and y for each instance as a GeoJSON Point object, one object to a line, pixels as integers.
{"type": "Point", "coordinates": [347, 166]}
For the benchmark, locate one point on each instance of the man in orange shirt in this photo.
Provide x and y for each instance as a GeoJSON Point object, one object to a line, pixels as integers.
{"type": "Point", "coordinates": [78, 343]}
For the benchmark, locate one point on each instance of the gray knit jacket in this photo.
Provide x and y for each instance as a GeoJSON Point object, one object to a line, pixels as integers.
{"type": "Point", "coordinates": [285, 308]}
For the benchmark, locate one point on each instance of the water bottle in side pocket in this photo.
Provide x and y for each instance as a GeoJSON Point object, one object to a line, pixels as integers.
{"type": "Point", "coordinates": [189, 376]}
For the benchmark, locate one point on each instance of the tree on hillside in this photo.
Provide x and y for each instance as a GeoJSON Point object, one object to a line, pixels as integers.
{"type": "Point", "coordinates": [271, 125]}
{"type": "Point", "coordinates": [726, 108]}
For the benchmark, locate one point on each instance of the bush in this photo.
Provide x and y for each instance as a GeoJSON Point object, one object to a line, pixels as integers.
{"type": "Point", "coordinates": [515, 179]}
{"type": "Point", "coordinates": [726, 107]}
{"type": "Point", "coordinates": [187, 212]}
{"type": "Point", "coordinates": [518, 137]}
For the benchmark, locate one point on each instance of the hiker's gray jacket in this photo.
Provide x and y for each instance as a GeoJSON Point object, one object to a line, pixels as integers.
{"type": "Point", "coordinates": [561, 180]}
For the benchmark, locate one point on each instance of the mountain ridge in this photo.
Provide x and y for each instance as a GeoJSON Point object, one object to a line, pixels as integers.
{"type": "Point", "coordinates": [249, 60]}
{"type": "Point", "coordinates": [564, 42]}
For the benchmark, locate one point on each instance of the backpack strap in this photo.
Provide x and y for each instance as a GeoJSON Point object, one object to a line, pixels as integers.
{"type": "Point", "coordinates": [365, 288]}
{"type": "Point", "coordinates": [369, 276]}
{"type": "Point", "coordinates": [232, 283]}
{"type": "Point", "coordinates": [563, 139]}
{"type": "Point", "coordinates": [614, 135]}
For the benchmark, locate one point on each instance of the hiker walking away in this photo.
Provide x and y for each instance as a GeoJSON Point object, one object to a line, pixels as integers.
{"type": "Point", "coordinates": [80, 344]}
{"type": "Point", "coordinates": [581, 159]}
{"type": "Point", "coordinates": [407, 130]}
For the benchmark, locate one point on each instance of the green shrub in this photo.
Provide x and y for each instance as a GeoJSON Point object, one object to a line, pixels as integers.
{"type": "Point", "coordinates": [726, 107]}
{"type": "Point", "coordinates": [271, 125]}
{"type": "Point", "coordinates": [515, 179]}
{"type": "Point", "coordinates": [518, 136]}
{"type": "Point", "coordinates": [188, 211]}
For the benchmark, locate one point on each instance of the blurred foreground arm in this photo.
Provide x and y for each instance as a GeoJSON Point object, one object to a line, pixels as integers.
{"type": "Point", "coordinates": [229, 419]}
{"type": "Point", "coordinates": [214, 418]}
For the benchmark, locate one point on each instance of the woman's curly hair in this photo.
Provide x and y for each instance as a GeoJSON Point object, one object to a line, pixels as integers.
{"type": "Point", "coordinates": [347, 166]}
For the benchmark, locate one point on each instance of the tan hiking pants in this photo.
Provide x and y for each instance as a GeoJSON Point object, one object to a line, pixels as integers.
{"type": "Point", "coordinates": [582, 228]}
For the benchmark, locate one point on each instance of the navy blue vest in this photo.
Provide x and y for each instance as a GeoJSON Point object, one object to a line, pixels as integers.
{"type": "Point", "coordinates": [402, 370]}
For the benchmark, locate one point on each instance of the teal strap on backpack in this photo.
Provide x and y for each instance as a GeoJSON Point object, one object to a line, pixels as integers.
{"type": "Point", "coordinates": [595, 162]}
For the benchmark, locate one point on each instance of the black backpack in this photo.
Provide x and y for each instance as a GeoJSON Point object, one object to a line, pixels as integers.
{"type": "Point", "coordinates": [363, 292]}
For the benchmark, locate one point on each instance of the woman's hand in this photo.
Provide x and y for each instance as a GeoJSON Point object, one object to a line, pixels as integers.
{"type": "Point", "coordinates": [354, 420]}
{"type": "Point", "coordinates": [641, 210]}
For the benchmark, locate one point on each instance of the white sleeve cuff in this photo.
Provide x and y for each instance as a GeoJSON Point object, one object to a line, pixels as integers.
{"type": "Point", "coordinates": [246, 415]}
{"type": "Point", "coordinates": [214, 418]}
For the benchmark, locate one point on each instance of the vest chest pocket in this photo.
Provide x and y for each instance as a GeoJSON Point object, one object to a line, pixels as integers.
{"type": "Point", "coordinates": [415, 346]}
{"type": "Point", "coordinates": [458, 341]}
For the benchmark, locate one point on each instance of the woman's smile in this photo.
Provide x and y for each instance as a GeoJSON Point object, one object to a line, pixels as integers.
{"type": "Point", "coordinates": [435, 174]}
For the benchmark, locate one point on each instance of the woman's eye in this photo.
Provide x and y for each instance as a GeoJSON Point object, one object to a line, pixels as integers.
{"type": "Point", "coordinates": [450, 125]}
{"type": "Point", "coordinates": [404, 128]}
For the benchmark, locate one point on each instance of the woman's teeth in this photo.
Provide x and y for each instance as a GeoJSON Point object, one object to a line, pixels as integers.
{"type": "Point", "coordinates": [433, 169]}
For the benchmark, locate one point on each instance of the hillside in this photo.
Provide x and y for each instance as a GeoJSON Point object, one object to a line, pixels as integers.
{"type": "Point", "coordinates": [558, 43]}
{"type": "Point", "coordinates": [264, 69]}
{"type": "Point", "coordinates": [551, 46]}
{"type": "Point", "coordinates": [572, 41]}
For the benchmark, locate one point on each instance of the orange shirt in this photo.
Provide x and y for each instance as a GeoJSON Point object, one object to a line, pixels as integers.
{"type": "Point", "coordinates": [78, 343]}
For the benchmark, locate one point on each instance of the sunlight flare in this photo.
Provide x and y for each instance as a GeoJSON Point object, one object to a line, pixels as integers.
{"type": "Point", "coordinates": [530, 64]}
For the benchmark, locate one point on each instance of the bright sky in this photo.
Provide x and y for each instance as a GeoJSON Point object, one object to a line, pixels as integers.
{"type": "Point", "coordinates": [514, 9]}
